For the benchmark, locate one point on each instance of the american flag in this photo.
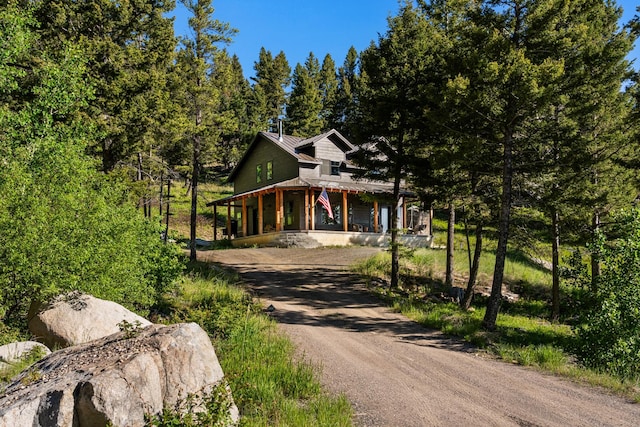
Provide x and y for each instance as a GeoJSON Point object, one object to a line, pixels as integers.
{"type": "Point", "coordinates": [324, 201]}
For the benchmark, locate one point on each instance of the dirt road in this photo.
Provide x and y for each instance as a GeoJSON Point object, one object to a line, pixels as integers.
{"type": "Point", "coordinates": [395, 372]}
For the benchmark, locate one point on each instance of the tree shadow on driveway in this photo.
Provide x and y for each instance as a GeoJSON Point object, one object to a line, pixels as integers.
{"type": "Point", "coordinates": [338, 299]}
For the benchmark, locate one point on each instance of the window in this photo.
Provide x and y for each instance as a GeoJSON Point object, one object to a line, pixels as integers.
{"type": "Point", "coordinates": [269, 170]}
{"type": "Point", "coordinates": [335, 168]}
{"type": "Point", "coordinates": [258, 174]}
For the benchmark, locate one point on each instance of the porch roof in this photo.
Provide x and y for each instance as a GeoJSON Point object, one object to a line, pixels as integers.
{"type": "Point", "coordinates": [362, 186]}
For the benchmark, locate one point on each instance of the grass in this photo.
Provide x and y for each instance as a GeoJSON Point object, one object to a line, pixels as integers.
{"type": "Point", "coordinates": [523, 335]}
{"type": "Point", "coordinates": [180, 208]}
{"type": "Point", "coordinates": [271, 386]}
{"type": "Point", "coordinates": [12, 369]}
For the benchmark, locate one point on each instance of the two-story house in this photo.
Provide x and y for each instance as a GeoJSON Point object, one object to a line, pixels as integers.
{"type": "Point", "coordinates": [277, 184]}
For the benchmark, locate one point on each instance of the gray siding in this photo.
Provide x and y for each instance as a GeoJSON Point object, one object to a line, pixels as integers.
{"type": "Point", "coordinates": [284, 167]}
{"type": "Point", "coordinates": [310, 171]}
{"type": "Point", "coordinates": [325, 149]}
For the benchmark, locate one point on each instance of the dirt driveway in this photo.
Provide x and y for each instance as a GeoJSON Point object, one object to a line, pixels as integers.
{"type": "Point", "coordinates": [395, 372]}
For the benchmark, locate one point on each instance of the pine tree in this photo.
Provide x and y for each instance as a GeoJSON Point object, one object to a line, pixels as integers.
{"type": "Point", "coordinates": [233, 113]}
{"type": "Point", "coordinates": [518, 94]}
{"type": "Point", "coordinates": [305, 101]}
{"type": "Point", "coordinates": [581, 130]}
{"type": "Point", "coordinates": [129, 44]}
{"type": "Point", "coordinates": [393, 99]}
{"type": "Point", "coordinates": [343, 114]}
{"type": "Point", "coordinates": [273, 76]}
{"type": "Point", "coordinates": [196, 62]}
{"type": "Point", "coordinates": [502, 90]}
{"type": "Point", "coordinates": [328, 90]}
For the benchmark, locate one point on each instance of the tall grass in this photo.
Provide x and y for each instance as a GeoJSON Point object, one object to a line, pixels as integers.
{"type": "Point", "coordinates": [179, 221]}
{"type": "Point", "coordinates": [271, 386]}
{"type": "Point", "coordinates": [426, 267]}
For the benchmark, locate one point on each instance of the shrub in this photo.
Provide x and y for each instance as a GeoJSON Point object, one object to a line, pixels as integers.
{"type": "Point", "coordinates": [609, 336]}
{"type": "Point", "coordinates": [63, 225]}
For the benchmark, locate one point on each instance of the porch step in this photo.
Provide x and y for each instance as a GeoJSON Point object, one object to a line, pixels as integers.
{"type": "Point", "coordinates": [298, 240]}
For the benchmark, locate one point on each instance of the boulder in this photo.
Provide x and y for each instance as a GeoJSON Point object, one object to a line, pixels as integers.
{"type": "Point", "coordinates": [116, 380]}
{"type": "Point", "coordinates": [77, 318]}
{"type": "Point", "coordinates": [18, 350]}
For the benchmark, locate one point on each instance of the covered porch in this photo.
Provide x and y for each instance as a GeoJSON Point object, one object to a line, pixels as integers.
{"type": "Point", "coordinates": [287, 212]}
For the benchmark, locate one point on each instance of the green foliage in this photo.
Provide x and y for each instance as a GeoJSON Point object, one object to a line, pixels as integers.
{"type": "Point", "coordinates": [543, 356]}
{"type": "Point", "coordinates": [14, 368]}
{"type": "Point", "coordinates": [210, 410]}
{"type": "Point", "coordinates": [304, 107]}
{"type": "Point", "coordinates": [234, 117]}
{"type": "Point", "coordinates": [131, 330]}
{"type": "Point", "coordinates": [343, 110]}
{"type": "Point", "coordinates": [196, 94]}
{"type": "Point", "coordinates": [271, 80]}
{"type": "Point", "coordinates": [127, 46]}
{"type": "Point", "coordinates": [329, 85]}
{"type": "Point", "coordinates": [63, 226]}
{"type": "Point", "coordinates": [164, 263]}
{"type": "Point", "coordinates": [609, 338]}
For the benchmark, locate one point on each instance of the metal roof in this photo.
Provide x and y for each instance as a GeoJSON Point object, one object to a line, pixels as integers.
{"type": "Point", "coordinates": [361, 186]}
{"type": "Point", "coordinates": [289, 144]}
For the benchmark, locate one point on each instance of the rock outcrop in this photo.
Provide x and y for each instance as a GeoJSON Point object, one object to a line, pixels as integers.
{"type": "Point", "coordinates": [77, 318]}
{"type": "Point", "coordinates": [115, 380]}
{"type": "Point", "coordinates": [18, 350]}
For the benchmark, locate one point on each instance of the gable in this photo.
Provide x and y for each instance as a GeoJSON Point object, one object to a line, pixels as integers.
{"type": "Point", "coordinates": [273, 158]}
{"type": "Point", "coordinates": [265, 155]}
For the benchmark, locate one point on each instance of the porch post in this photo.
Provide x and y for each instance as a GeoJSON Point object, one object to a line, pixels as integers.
{"type": "Point", "coordinates": [260, 216]}
{"type": "Point", "coordinates": [277, 212]}
{"type": "Point", "coordinates": [313, 208]}
{"type": "Point", "coordinates": [279, 209]}
{"type": "Point", "coordinates": [306, 209]}
{"type": "Point", "coordinates": [244, 217]}
{"type": "Point", "coordinates": [229, 219]}
{"type": "Point", "coordinates": [345, 212]}
{"type": "Point", "coordinates": [215, 221]}
{"type": "Point", "coordinates": [375, 216]}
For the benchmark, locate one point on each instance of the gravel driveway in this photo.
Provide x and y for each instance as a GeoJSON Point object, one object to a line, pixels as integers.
{"type": "Point", "coordinates": [395, 372]}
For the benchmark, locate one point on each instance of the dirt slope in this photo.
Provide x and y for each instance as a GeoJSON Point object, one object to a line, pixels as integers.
{"type": "Point", "coordinates": [395, 372]}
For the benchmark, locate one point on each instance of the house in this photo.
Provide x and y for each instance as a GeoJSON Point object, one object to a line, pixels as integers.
{"type": "Point", "coordinates": [277, 184]}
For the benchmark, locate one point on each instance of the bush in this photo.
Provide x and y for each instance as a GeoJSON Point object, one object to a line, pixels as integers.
{"type": "Point", "coordinates": [211, 410]}
{"type": "Point", "coordinates": [63, 225]}
{"type": "Point", "coordinates": [609, 337]}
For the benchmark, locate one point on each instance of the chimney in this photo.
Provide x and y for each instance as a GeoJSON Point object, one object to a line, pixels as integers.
{"type": "Point", "coordinates": [280, 136]}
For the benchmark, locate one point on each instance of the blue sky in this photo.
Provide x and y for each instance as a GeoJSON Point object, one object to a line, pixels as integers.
{"type": "Point", "coordinates": [298, 27]}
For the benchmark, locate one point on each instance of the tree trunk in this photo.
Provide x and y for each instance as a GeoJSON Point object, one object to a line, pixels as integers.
{"type": "Point", "coordinates": [595, 257]}
{"type": "Point", "coordinates": [107, 155]}
{"type": "Point", "coordinates": [194, 186]}
{"type": "Point", "coordinates": [495, 299]}
{"type": "Point", "coordinates": [139, 178]}
{"type": "Point", "coordinates": [166, 230]}
{"type": "Point", "coordinates": [466, 235]}
{"type": "Point", "coordinates": [160, 196]}
{"type": "Point", "coordinates": [473, 271]}
{"type": "Point", "coordinates": [450, 245]}
{"type": "Point", "coordinates": [555, 255]}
